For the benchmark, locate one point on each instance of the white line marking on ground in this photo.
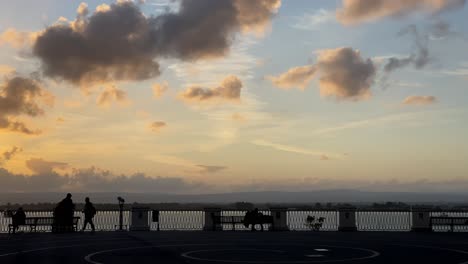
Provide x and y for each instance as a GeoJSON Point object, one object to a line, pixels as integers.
{"type": "Point", "coordinates": [89, 257]}
{"type": "Point", "coordinates": [314, 256]}
{"type": "Point", "coordinates": [439, 248]}
{"type": "Point", "coordinates": [59, 247]}
{"type": "Point", "coordinates": [373, 254]}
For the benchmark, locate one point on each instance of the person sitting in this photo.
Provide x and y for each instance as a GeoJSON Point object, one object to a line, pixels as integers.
{"type": "Point", "coordinates": [253, 218]}
{"type": "Point", "coordinates": [19, 218]}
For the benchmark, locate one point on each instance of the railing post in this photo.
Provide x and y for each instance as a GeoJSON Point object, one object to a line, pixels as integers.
{"type": "Point", "coordinates": [140, 219]}
{"type": "Point", "coordinates": [347, 219]}
{"type": "Point", "coordinates": [210, 214]}
{"type": "Point", "coordinates": [421, 221]}
{"type": "Point", "coordinates": [280, 219]}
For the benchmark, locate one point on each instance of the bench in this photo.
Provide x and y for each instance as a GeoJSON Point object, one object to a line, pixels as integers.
{"type": "Point", "coordinates": [33, 222]}
{"type": "Point", "coordinates": [448, 221]}
{"type": "Point", "coordinates": [234, 220]}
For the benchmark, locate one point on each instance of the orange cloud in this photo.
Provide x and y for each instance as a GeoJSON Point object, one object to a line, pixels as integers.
{"type": "Point", "coordinates": [21, 96]}
{"type": "Point", "coordinates": [159, 89]}
{"type": "Point", "coordinates": [228, 90]}
{"type": "Point", "coordinates": [5, 69]}
{"type": "Point", "coordinates": [18, 39]}
{"type": "Point", "coordinates": [238, 117]}
{"type": "Point", "coordinates": [112, 94]}
{"type": "Point", "coordinates": [157, 126]}
{"type": "Point", "coordinates": [9, 154]}
{"type": "Point", "coordinates": [419, 100]}
{"type": "Point", "coordinates": [298, 77]}
{"type": "Point", "coordinates": [358, 11]}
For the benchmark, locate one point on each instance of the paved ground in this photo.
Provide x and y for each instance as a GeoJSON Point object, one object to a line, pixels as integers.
{"type": "Point", "coordinates": [235, 247]}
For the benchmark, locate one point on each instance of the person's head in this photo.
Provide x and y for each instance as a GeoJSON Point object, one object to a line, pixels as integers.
{"type": "Point", "coordinates": [87, 199]}
{"type": "Point", "coordinates": [69, 196]}
{"type": "Point", "coordinates": [20, 209]}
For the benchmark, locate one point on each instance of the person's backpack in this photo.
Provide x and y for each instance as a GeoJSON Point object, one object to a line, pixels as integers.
{"type": "Point", "coordinates": [93, 210]}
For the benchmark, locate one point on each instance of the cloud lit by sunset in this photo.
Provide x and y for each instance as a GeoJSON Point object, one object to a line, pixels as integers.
{"type": "Point", "coordinates": [230, 95]}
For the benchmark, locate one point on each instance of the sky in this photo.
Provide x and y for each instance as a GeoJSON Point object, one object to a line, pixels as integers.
{"type": "Point", "coordinates": [203, 96]}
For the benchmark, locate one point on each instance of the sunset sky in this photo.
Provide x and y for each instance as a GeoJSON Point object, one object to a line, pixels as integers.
{"type": "Point", "coordinates": [209, 96]}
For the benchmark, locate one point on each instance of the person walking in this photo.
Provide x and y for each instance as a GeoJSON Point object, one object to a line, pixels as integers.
{"type": "Point", "coordinates": [89, 212]}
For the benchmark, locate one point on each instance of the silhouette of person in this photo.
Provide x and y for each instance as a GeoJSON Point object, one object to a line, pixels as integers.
{"type": "Point", "coordinates": [19, 218]}
{"type": "Point", "coordinates": [252, 218]}
{"type": "Point", "coordinates": [89, 212]}
{"type": "Point", "coordinates": [64, 213]}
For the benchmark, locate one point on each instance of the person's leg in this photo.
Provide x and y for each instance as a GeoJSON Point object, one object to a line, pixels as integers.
{"type": "Point", "coordinates": [85, 224]}
{"type": "Point", "coordinates": [92, 224]}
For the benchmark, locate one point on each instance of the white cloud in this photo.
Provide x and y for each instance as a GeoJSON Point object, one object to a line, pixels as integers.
{"type": "Point", "coordinates": [313, 20]}
{"type": "Point", "coordinates": [294, 149]}
{"type": "Point", "coordinates": [239, 62]}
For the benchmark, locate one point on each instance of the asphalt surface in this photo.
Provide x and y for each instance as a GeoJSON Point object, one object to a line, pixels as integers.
{"type": "Point", "coordinates": [235, 247]}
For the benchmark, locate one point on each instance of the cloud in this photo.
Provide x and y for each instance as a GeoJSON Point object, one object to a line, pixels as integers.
{"type": "Point", "coordinates": [419, 100]}
{"type": "Point", "coordinates": [121, 43]}
{"type": "Point", "coordinates": [344, 74]}
{"type": "Point", "coordinates": [359, 11]}
{"type": "Point", "coordinates": [18, 39]}
{"type": "Point", "coordinates": [112, 94]}
{"type": "Point", "coordinates": [298, 77]}
{"type": "Point", "coordinates": [40, 166]}
{"type": "Point", "coordinates": [406, 119]}
{"type": "Point", "coordinates": [238, 117]}
{"type": "Point", "coordinates": [159, 89]}
{"type": "Point", "coordinates": [294, 149]}
{"type": "Point", "coordinates": [211, 169]}
{"type": "Point", "coordinates": [21, 96]}
{"type": "Point", "coordinates": [240, 62]}
{"type": "Point", "coordinates": [255, 16]}
{"type": "Point", "coordinates": [420, 56]}
{"type": "Point", "coordinates": [103, 8]}
{"type": "Point", "coordinates": [312, 21]}
{"type": "Point", "coordinates": [95, 180]}
{"type": "Point", "coordinates": [5, 69]}
{"type": "Point", "coordinates": [228, 90]}
{"type": "Point", "coordinates": [441, 29]}
{"type": "Point", "coordinates": [9, 154]}
{"type": "Point", "coordinates": [157, 126]}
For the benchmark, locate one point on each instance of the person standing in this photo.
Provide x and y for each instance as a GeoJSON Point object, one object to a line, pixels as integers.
{"type": "Point", "coordinates": [89, 212]}
{"type": "Point", "coordinates": [18, 219]}
{"type": "Point", "coordinates": [63, 215]}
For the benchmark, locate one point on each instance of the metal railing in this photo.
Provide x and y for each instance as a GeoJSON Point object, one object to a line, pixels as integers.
{"type": "Point", "coordinates": [239, 213]}
{"type": "Point", "coordinates": [192, 220]}
{"type": "Point", "coordinates": [297, 219]}
{"type": "Point", "coordinates": [448, 228]}
{"type": "Point", "coordinates": [388, 220]}
{"type": "Point", "coordinates": [180, 220]}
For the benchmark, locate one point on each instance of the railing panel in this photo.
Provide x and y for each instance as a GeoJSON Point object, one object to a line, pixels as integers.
{"type": "Point", "coordinates": [447, 228]}
{"type": "Point", "coordinates": [383, 220]}
{"type": "Point", "coordinates": [297, 220]}
{"type": "Point", "coordinates": [241, 213]}
{"type": "Point", "coordinates": [178, 220]}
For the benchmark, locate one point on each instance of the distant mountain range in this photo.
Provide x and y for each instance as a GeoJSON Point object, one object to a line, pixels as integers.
{"type": "Point", "coordinates": [334, 196]}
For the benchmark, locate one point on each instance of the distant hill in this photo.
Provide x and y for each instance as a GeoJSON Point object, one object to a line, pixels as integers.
{"type": "Point", "coordinates": [334, 196]}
